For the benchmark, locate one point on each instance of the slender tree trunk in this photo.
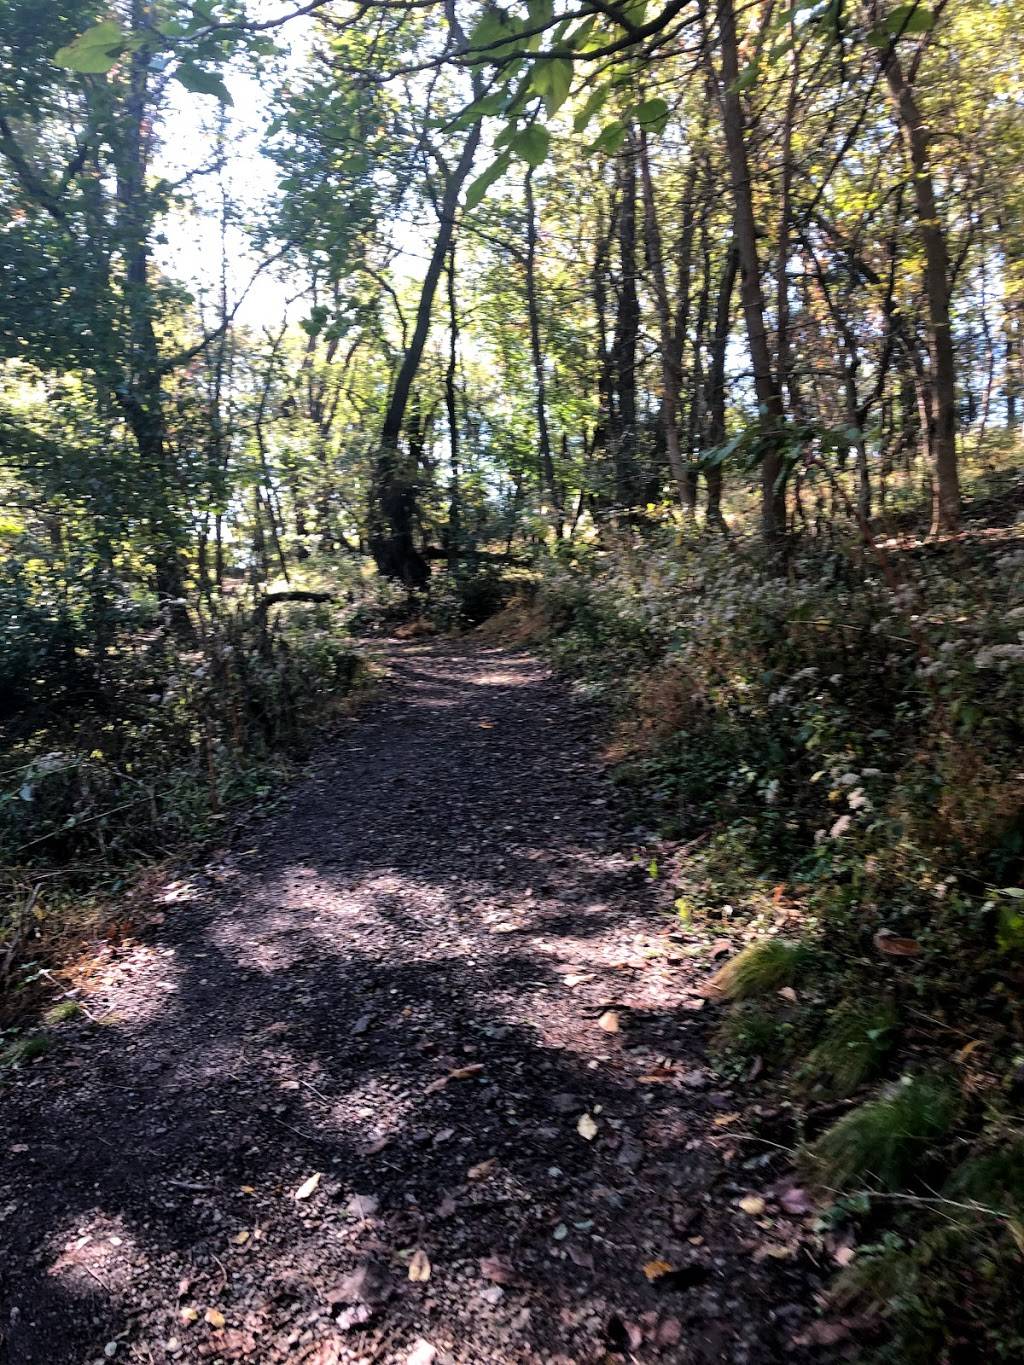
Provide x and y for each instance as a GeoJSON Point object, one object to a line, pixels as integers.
{"type": "Point", "coordinates": [393, 488]}
{"type": "Point", "coordinates": [716, 380]}
{"type": "Point", "coordinates": [946, 507]}
{"type": "Point", "coordinates": [627, 332]}
{"type": "Point", "coordinates": [766, 385]}
{"type": "Point", "coordinates": [450, 374]}
{"type": "Point", "coordinates": [671, 379]}
{"type": "Point", "coordinates": [549, 480]}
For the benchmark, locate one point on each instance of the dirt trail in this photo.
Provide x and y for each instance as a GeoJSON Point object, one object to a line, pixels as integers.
{"type": "Point", "coordinates": [448, 895]}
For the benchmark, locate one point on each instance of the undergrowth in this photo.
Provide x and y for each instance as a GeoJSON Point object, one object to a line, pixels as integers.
{"type": "Point", "coordinates": [108, 764]}
{"type": "Point", "coordinates": [837, 748]}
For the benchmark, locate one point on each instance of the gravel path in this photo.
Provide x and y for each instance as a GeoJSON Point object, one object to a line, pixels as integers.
{"type": "Point", "coordinates": [357, 1093]}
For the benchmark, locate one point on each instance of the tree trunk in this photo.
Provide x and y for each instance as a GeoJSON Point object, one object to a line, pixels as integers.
{"type": "Point", "coordinates": [946, 505]}
{"type": "Point", "coordinates": [393, 488]}
{"type": "Point", "coordinates": [547, 463]}
{"type": "Point", "coordinates": [624, 344]}
{"type": "Point", "coordinates": [716, 380]}
{"type": "Point", "coordinates": [671, 379]}
{"type": "Point", "coordinates": [766, 385]}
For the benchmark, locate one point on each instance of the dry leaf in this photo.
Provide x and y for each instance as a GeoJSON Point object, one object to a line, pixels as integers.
{"type": "Point", "coordinates": [579, 977]}
{"type": "Point", "coordinates": [844, 1255]}
{"type": "Point", "coordinates": [422, 1353]}
{"type": "Point", "coordinates": [465, 1073]}
{"type": "Point", "coordinates": [214, 1317]}
{"type": "Point", "coordinates": [362, 1206]}
{"type": "Point", "coordinates": [419, 1267]}
{"type": "Point", "coordinates": [308, 1186]}
{"type": "Point", "coordinates": [586, 1127]}
{"type": "Point", "coordinates": [888, 942]}
{"type": "Point", "coordinates": [752, 1204]}
{"type": "Point", "coordinates": [723, 1120]}
{"type": "Point", "coordinates": [788, 993]}
{"type": "Point", "coordinates": [609, 1021]}
{"type": "Point", "coordinates": [497, 1269]}
{"type": "Point", "coordinates": [655, 1269]}
{"type": "Point", "coordinates": [189, 1315]}
{"type": "Point", "coordinates": [240, 1238]}
{"type": "Point", "coordinates": [483, 1170]}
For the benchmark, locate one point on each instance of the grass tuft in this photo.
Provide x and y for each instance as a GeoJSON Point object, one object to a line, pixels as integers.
{"type": "Point", "coordinates": [27, 1049]}
{"type": "Point", "coordinates": [761, 967]}
{"type": "Point", "coordinates": [857, 1040]}
{"type": "Point", "coordinates": [883, 1140]}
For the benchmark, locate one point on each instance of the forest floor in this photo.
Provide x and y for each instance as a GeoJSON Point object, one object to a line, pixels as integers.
{"type": "Point", "coordinates": [347, 1097]}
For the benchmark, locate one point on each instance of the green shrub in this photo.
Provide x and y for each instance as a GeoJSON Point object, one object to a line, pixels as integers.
{"type": "Point", "coordinates": [883, 1141]}
{"type": "Point", "coordinates": [858, 1038]}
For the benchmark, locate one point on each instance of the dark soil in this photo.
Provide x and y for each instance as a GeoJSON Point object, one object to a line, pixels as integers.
{"type": "Point", "coordinates": [395, 983]}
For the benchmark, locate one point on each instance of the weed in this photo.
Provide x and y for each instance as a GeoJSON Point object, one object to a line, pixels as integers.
{"type": "Point", "coordinates": [884, 1140]}
{"type": "Point", "coordinates": [859, 1037]}
{"type": "Point", "coordinates": [761, 967]}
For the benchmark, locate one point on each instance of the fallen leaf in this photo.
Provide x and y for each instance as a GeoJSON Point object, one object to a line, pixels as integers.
{"type": "Point", "coordinates": [419, 1267]}
{"type": "Point", "coordinates": [669, 1333]}
{"type": "Point", "coordinates": [965, 1052]}
{"type": "Point", "coordinates": [483, 1169]}
{"type": "Point", "coordinates": [720, 946]}
{"type": "Point", "coordinates": [724, 1120]}
{"type": "Point", "coordinates": [609, 1021]}
{"type": "Point", "coordinates": [308, 1187]}
{"type": "Point", "coordinates": [795, 1200]}
{"type": "Point", "coordinates": [189, 1315]}
{"type": "Point", "coordinates": [240, 1238]}
{"type": "Point", "coordinates": [788, 993]}
{"type": "Point", "coordinates": [752, 1204]}
{"type": "Point", "coordinates": [214, 1317]}
{"type": "Point", "coordinates": [497, 1269]}
{"type": "Point", "coordinates": [578, 978]}
{"type": "Point", "coordinates": [586, 1127]}
{"type": "Point", "coordinates": [844, 1255]}
{"type": "Point", "coordinates": [888, 942]}
{"type": "Point", "coordinates": [655, 1269]}
{"type": "Point", "coordinates": [422, 1353]}
{"type": "Point", "coordinates": [465, 1073]}
{"type": "Point", "coordinates": [362, 1206]}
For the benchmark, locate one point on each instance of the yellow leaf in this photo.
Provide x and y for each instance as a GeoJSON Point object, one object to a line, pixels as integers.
{"type": "Point", "coordinates": [189, 1315]}
{"type": "Point", "coordinates": [586, 1127]}
{"type": "Point", "coordinates": [752, 1204]}
{"type": "Point", "coordinates": [308, 1186]}
{"type": "Point", "coordinates": [723, 1120]}
{"type": "Point", "coordinates": [419, 1267]}
{"type": "Point", "coordinates": [609, 1021]}
{"type": "Point", "coordinates": [214, 1317]}
{"type": "Point", "coordinates": [655, 1269]}
{"type": "Point", "coordinates": [240, 1238]}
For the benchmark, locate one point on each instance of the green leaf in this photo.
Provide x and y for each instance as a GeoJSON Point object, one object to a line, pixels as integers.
{"type": "Point", "coordinates": [483, 182]}
{"type": "Point", "coordinates": [909, 19]}
{"type": "Point", "coordinates": [652, 114]}
{"type": "Point", "coordinates": [201, 82]}
{"type": "Point", "coordinates": [747, 77]}
{"type": "Point", "coordinates": [593, 104]}
{"type": "Point", "coordinates": [532, 144]}
{"type": "Point", "coordinates": [552, 79]}
{"type": "Point", "coordinates": [95, 51]}
{"type": "Point", "coordinates": [540, 11]}
{"type": "Point", "coordinates": [610, 138]}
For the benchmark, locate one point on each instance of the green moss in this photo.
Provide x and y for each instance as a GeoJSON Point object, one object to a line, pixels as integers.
{"type": "Point", "coordinates": [27, 1049]}
{"type": "Point", "coordinates": [857, 1040]}
{"type": "Point", "coordinates": [882, 1142]}
{"type": "Point", "coordinates": [761, 967]}
{"type": "Point", "coordinates": [751, 1031]}
{"type": "Point", "coordinates": [61, 1012]}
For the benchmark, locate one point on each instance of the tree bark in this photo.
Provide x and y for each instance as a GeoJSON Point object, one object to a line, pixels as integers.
{"type": "Point", "coordinates": [946, 505]}
{"type": "Point", "coordinates": [547, 464]}
{"type": "Point", "coordinates": [393, 489]}
{"type": "Point", "coordinates": [766, 385]}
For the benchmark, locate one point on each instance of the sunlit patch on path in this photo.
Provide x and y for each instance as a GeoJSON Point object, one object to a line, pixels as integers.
{"type": "Point", "coordinates": [412, 1062]}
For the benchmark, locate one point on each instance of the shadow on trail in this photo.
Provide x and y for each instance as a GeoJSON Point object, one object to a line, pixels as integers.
{"type": "Point", "coordinates": [412, 914]}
